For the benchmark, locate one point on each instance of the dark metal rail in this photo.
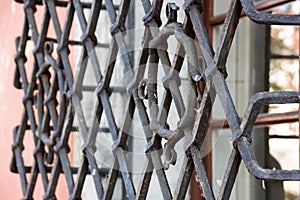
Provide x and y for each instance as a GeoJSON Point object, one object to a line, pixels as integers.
{"type": "Point", "coordinates": [51, 104]}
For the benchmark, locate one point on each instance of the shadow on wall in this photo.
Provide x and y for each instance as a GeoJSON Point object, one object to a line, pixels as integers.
{"type": "Point", "coordinates": [274, 188]}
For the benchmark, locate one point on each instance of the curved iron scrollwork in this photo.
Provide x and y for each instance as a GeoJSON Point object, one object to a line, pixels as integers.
{"type": "Point", "coordinates": [53, 94]}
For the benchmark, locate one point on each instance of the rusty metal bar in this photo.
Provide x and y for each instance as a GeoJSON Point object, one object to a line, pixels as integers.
{"type": "Point", "coordinates": [269, 18]}
{"type": "Point", "coordinates": [52, 99]}
{"type": "Point", "coordinates": [260, 6]}
{"type": "Point", "coordinates": [263, 119]}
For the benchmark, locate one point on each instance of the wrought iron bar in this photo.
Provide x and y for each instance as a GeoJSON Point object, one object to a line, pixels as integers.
{"type": "Point", "coordinates": [53, 94]}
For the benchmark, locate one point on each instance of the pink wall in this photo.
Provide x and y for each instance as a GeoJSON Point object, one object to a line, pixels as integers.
{"type": "Point", "coordinates": [11, 22]}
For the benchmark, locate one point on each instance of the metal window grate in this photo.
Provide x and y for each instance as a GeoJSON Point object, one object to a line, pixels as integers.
{"type": "Point", "coordinates": [50, 103]}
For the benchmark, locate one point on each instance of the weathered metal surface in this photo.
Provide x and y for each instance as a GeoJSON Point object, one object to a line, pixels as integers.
{"type": "Point", "coordinates": [52, 98]}
{"type": "Point", "coordinates": [267, 18]}
{"type": "Point", "coordinates": [259, 6]}
{"type": "Point", "coordinates": [263, 120]}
